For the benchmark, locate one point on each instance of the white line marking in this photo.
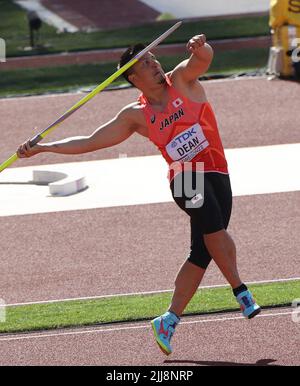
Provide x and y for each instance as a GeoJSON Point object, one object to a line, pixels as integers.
{"type": "Point", "coordinates": [46, 15]}
{"type": "Point", "coordinates": [145, 293]}
{"type": "Point", "coordinates": [237, 78]}
{"type": "Point", "coordinates": [130, 327]}
{"type": "Point", "coordinates": [29, 98]}
{"type": "Point", "coordinates": [142, 180]}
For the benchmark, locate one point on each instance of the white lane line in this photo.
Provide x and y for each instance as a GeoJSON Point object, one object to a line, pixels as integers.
{"type": "Point", "coordinates": [142, 180]}
{"type": "Point", "coordinates": [145, 293]}
{"type": "Point", "coordinates": [31, 98]}
{"type": "Point", "coordinates": [46, 15]}
{"type": "Point", "coordinates": [238, 78]}
{"type": "Point", "coordinates": [132, 327]}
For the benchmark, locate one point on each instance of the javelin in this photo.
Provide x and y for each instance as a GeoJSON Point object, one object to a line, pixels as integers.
{"type": "Point", "coordinates": [88, 97]}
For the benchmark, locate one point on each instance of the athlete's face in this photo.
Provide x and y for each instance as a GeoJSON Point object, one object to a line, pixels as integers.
{"type": "Point", "coordinates": [147, 72]}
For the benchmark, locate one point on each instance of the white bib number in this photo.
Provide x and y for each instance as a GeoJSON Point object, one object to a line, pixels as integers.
{"type": "Point", "coordinates": [185, 146]}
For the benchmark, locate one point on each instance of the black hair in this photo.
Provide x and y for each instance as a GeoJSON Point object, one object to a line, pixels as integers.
{"type": "Point", "coordinates": [127, 56]}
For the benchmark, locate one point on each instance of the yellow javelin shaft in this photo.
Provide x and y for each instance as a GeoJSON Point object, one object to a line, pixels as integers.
{"type": "Point", "coordinates": [84, 100]}
{"type": "Point", "coordinates": [102, 86]}
{"type": "Point", "coordinates": [88, 97]}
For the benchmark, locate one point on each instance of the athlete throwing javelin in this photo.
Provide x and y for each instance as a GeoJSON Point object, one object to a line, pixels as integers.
{"type": "Point", "coordinates": [173, 109]}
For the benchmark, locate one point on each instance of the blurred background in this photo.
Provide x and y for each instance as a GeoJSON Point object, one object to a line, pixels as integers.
{"type": "Point", "coordinates": [66, 45]}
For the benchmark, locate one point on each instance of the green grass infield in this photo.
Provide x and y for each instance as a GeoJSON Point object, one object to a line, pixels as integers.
{"type": "Point", "coordinates": [69, 78]}
{"type": "Point", "coordinates": [137, 307]}
{"type": "Point", "coordinates": [14, 29]}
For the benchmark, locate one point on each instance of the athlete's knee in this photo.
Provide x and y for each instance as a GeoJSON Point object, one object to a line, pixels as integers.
{"type": "Point", "coordinates": [220, 240]}
{"type": "Point", "coordinates": [199, 260]}
{"type": "Point", "coordinates": [189, 272]}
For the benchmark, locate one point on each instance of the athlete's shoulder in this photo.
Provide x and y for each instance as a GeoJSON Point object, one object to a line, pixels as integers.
{"type": "Point", "coordinates": [193, 90]}
{"type": "Point", "coordinates": [134, 116]}
{"type": "Point", "coordinates": [131, 108]}
{"type": "Point", "coordinates": [131, 111]}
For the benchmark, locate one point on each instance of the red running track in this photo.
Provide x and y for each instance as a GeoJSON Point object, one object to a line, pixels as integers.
{"type": "Point", "coordinates": [140, 248]}
{"type": "Point", "coordinates": [271, 339]}
{"type": "Point", "coordinates": [128, 249]}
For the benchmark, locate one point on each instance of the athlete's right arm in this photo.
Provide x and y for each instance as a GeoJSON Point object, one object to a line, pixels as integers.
{"type": "Point", "coordinates": [113, 132]}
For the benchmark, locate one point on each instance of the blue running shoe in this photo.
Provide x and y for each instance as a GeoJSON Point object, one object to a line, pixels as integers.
{"type": "Point", "coordinates": [164, 327]}
{"type": "Point", "coordinates": [248, 305]}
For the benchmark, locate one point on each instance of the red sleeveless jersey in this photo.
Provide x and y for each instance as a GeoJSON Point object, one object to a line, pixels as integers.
{"type": "Point", "coordinates": [186, 132]}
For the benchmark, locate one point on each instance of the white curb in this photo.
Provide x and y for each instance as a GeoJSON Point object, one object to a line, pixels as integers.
{"type": "Point", "coordinates": [60, 184]}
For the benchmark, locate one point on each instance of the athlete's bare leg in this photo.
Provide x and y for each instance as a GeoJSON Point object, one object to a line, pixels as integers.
{"type": "Point", "coordinates": [222, 249]}
{"type": "Point", "coordinates": [187, 281]}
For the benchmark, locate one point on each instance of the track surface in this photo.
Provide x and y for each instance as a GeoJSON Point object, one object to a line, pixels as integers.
{"type": "Point", "coordinates": [198, 341]}
{"type": "Point", "coordinates": [105, 55]}
{"type": "Point", "coordinates": [129, 249]}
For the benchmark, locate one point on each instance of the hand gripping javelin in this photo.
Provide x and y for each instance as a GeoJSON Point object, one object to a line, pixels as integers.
{"type": "Point", "coordinates": [88, 97]}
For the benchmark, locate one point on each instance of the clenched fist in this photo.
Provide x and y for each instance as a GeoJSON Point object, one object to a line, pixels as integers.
{"type": "Point", "coordinates": [26, 151]}
{"type": "Point", "coordinates": [196, 42]}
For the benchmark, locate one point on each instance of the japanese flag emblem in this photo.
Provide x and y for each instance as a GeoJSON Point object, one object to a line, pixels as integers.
{"type": "Point", "coordinates": [177, 102]}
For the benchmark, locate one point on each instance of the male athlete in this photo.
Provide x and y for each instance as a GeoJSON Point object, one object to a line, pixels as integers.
{"type": "Point", "coordinates": [173, 112]}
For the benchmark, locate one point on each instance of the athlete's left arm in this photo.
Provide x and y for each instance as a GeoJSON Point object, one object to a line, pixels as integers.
{"type": "Point", "coordinates": [199, 61]}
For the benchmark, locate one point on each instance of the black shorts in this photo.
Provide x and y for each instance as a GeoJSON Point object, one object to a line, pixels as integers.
{"type": "Point", "coordinates": [211, 210]}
